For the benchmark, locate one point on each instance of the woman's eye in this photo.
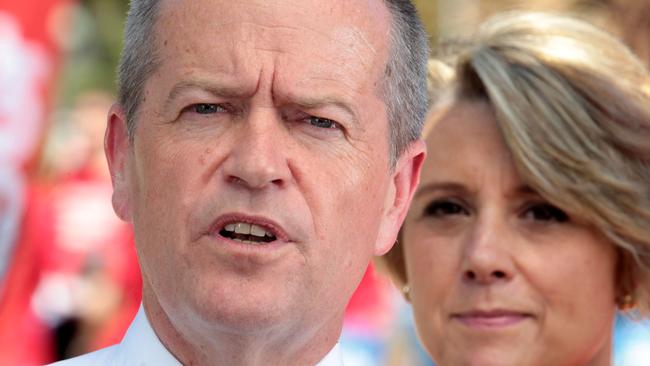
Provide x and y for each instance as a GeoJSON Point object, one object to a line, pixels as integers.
{"type": "Point", "coordinates": [207, 108]}
{"type": "Point", "coordinates": [545, 212]}
{"type": "Point", "coordinates": [444, 208]}
{"type": "Point", "coordinates": [323, 122]}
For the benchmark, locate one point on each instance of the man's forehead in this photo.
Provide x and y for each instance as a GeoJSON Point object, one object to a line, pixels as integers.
{"type": "Point", "coordinates": [366, 16]}
{"type": "Point", "coordinates": [330, 38]}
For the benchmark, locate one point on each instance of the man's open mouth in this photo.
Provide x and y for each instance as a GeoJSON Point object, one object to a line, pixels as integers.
{"type": "Point", "coordinates": [247, 233]}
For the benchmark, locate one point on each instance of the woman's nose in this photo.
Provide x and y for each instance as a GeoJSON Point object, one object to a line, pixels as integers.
{"type": "Point", "coordinates": [487, 254]}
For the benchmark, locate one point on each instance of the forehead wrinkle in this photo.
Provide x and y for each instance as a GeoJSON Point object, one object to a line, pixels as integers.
{"type": "Point", "coordinates": [364, 40]}
{"type": "Point", "coordinates": [352, 37]}
{"type": "Point", "coordinates": [253, 29]}
{"type": "Point", "coordinates": [273, 50]}
{"type": "Point", "coordinates": [356, 41]}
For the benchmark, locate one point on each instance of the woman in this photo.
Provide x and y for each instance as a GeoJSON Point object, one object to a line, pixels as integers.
{"type": "Point", "coordinates": [531, 224]}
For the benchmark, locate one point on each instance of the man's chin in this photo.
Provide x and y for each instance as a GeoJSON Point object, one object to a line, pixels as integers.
{"type": "Point", "coordinates": [243, 312]}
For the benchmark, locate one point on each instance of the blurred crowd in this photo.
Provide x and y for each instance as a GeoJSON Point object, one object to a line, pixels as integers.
{"type": "Point", "coordinates": [69, 279]}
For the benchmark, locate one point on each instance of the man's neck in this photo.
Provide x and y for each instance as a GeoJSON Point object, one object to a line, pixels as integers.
{"type": "Point", "coordinates": [195, 345]}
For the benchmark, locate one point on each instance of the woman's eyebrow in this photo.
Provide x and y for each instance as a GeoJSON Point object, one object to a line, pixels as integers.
{"type": "Point", "coordinates": [444, 186]}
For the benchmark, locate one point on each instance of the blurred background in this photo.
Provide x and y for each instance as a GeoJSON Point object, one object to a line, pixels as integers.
{"type": "Point", "coordinates": [69, 280]}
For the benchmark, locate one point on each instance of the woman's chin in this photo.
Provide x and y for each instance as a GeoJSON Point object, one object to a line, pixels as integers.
{"type": "Point", "coordinates": [483, 350]}
{"type": "Point", "coordinates": [485, 357]}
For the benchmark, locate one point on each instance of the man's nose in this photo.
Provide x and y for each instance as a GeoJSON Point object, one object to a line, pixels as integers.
{"type": "Point", "coordinates": [487, 256]}
{"type": "Point", "coordinates": [258, 158]}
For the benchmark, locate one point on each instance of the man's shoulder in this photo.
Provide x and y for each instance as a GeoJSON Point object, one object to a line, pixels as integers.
{"type": "Point", "coordinates": [105, 356]}
{"type": "Point", "coordinates": [140, 346]}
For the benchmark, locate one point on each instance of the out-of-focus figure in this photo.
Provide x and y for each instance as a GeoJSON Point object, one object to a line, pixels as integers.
{"type": "Point", "coordinates": [74, 284]}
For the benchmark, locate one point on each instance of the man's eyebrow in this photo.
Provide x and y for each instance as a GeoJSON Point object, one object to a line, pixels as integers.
{"type": "Point", "coordinates": [441, 186]}
{"type": "Point", "coordinates": [212, 88]}
{"type": "Point", "coordinates": [309, 102]}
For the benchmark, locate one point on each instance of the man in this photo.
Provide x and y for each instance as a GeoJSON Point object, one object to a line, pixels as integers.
{"type": "Point", "coordinates": [264, 151]}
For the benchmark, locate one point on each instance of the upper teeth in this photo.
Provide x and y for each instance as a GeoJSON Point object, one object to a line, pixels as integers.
{"type": "Point", "coordinates": [247, 229]}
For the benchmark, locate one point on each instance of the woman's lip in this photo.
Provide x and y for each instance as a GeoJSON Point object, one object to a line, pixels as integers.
{"type": "Point", "coordinates": [491, 319]}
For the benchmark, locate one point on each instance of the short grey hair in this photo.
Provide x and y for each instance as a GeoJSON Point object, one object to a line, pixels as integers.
{"type": "Point", "coordinates": [404, 85]}
{"type": "Point", "coordinates": [405, 80]}
{"type": "Point", "coordinates": [139, 59]}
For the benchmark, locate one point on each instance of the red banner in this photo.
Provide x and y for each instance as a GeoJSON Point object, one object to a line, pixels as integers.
{"type": "Point", "coordinates": [30, 34]}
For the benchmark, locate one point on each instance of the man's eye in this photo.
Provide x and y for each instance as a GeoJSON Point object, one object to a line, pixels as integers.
{"type": "Point", "coordinates": [207, 108]}
{"type": "Point", "coordinates": [323, 122]}
{"type": "Point", "coordinates": [443, 208]}
{"type": "Point", "coordinates": [545, 212]}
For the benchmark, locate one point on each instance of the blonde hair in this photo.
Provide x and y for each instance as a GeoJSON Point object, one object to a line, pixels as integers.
{"type": "Point", "coordinates": [573, 106]}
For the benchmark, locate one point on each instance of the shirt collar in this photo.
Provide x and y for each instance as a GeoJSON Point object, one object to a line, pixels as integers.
{"type": "Point", "coordinates": [141, 346]}
{"type": "Point", "coordinates": [333, 358]}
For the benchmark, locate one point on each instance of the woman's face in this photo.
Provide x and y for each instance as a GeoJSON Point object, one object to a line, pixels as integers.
{"type": "Point", "coordinates": [498, 275]}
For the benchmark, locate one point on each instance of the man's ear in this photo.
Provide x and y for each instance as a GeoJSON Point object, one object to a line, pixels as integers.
{"type": "Point", "coordinates": [118, 149]}
{"type": "Point", "coordinates": [404, 182]}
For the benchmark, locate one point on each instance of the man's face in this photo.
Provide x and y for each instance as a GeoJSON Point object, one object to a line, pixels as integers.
{"type": "Point", "coordinates": [258, 181]}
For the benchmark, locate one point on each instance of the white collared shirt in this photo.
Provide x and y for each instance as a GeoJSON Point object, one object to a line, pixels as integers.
{"type": "Point", "coordinates": [141, 346]}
